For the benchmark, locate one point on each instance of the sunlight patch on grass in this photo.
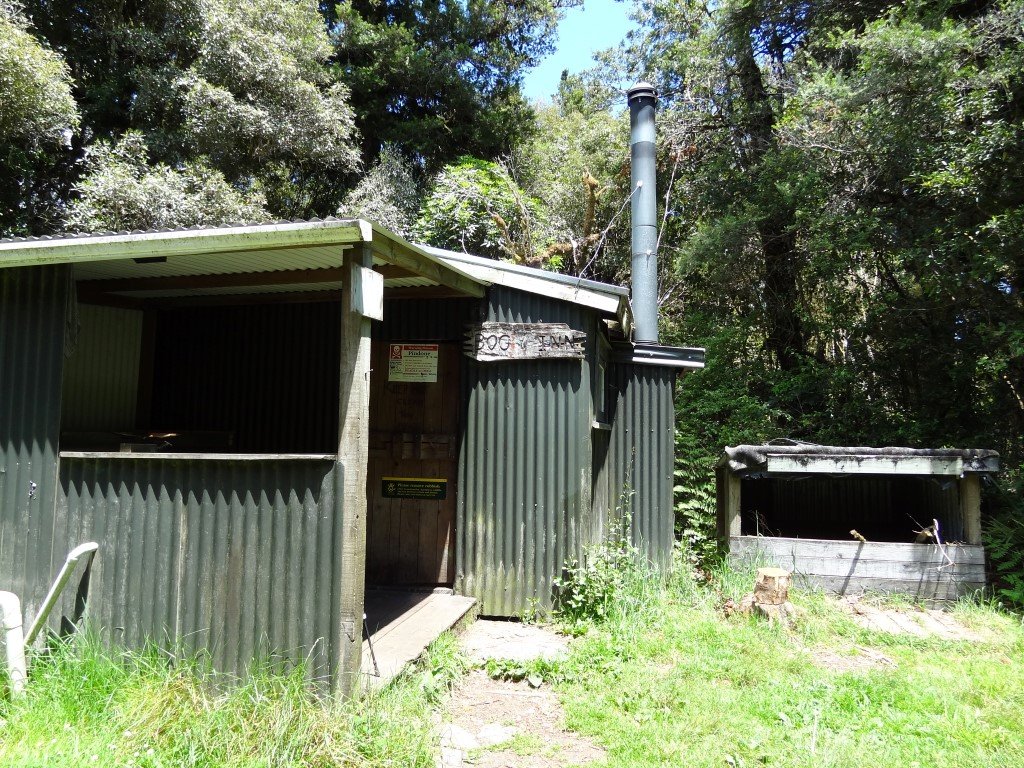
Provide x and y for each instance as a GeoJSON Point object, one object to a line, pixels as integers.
{"type": "Point", "coordinates": [679, 684]}
{"type": "Point", "coordinates": [88, 706]}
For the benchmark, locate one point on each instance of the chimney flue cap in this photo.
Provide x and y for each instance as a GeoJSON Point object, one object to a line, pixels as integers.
{"type": "Point", "coordinates": [641, 90]}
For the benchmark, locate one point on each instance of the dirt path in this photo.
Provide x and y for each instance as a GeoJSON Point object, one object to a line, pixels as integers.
{"type": "Point", "coordinates": [500, 724]}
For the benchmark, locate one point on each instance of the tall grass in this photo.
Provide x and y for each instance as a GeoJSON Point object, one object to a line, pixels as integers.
{"type": "Point", "coordinates": [86, 705]}
{"type": "Point", "coordinates": [665, 679]}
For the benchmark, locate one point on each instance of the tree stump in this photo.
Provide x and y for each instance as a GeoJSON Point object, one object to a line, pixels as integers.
{"type": "Point", "coordinates": [771, 586]}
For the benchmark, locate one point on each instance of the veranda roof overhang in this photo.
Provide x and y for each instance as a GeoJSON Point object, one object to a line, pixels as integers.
{"type": "Point", "coordinates": [300, 260]}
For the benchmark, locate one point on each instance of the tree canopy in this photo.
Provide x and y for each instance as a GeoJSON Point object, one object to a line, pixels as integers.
{"type": "Point", "coordinates": [841, 183]}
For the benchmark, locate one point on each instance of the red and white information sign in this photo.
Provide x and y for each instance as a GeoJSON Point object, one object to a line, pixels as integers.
{"type": "Point", "coordinates": [412, 362]}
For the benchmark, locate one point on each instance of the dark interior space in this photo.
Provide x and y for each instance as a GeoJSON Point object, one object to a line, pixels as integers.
{"type": "Point", "coordinates": [248, 379]}
{"type": "Point", "coordinates": [879, 507]}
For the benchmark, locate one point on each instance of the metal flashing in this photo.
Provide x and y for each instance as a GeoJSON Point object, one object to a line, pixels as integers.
{"type": "Point", "coordinates": [655, 354]}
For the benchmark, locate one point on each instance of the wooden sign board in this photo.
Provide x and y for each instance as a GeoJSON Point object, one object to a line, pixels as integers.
{"type": "Point", "coordinates": [523, 341]}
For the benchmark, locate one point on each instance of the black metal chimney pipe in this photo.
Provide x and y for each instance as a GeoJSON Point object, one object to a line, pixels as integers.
{"type": "Point", "coordinates": [642, 105]}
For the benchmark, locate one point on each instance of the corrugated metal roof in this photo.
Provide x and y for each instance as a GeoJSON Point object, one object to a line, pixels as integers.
{"type": "Point", "coordinates": [610, 299]}
{"type": "Point", "coordinates": [233, 249]}
{"type": "Point", "coordinates": [199, 228]}
{"type": "Point", "coordinates": [519, 269]}
{"type": "Point", "coordinates": [216, 264]}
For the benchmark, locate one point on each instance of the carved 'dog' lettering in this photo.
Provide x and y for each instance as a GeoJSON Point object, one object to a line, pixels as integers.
{"type": "Point", "coordinates": [523, 341]}
{"type": "Point", "coordinates": [493, 342]}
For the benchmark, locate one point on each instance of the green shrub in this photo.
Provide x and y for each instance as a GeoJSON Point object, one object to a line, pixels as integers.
{"type": "Point", "coordinates": [1004, 539]}
{"type": "Point", "coordinates": [590, 589]}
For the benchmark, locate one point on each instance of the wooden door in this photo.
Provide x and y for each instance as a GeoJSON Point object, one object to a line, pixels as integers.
{"type": "Point", "coordinates": [414, 434]}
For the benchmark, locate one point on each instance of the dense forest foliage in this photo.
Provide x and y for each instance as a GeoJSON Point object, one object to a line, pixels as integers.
{"type": "Point", "coordinates": [842, 182]}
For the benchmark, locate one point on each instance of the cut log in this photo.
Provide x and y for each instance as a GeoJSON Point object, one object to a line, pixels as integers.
{"type": "Point", "coordinates": [772, 586]}
{"type": "Point", "coordinates": [784, 613]}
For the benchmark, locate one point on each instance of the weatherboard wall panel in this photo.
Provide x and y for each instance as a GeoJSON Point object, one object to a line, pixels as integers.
{"type": "Point", "coordinates": [524, 491]}
{"type": "Point", "coordinates": [231, 558]}
{"type": "Point", "coordinates": [33, 311]}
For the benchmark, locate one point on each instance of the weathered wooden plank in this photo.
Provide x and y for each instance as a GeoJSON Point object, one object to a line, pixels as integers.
{"type": "Point", "coordinates": [881, 569]}
{"type": "Point", "coordinates": [925, 589]}
{"type": "Point", "coordinates": [872, 550]}
{"type": "Point", "coordinates": [732, 505]}
{"type": "Point", "coordinates": [865, 465]}
{"type": "Point", "coordinates": [850, 567]}
{"type": "Point", "coordinates": [523, 341]}
{"type": "Point", "coordinates": [353, 454]}
{"type": "Point", "coordinates": [970, 507]}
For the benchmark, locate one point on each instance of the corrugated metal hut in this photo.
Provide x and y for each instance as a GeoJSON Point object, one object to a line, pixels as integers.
{"type": "Point", "coordinates": [256, 422]}
{"type": "Point", "coordinates": [854, 519]}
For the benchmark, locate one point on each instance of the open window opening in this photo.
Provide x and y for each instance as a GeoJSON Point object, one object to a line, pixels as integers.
{"type": "Point", "coordinates": [233, 377]}
{"type": "Point", "coordinates": [880, 508]}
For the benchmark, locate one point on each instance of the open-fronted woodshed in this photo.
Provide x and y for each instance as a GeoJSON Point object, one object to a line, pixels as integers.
{"type": "Point", "coordinates": [854, 519]}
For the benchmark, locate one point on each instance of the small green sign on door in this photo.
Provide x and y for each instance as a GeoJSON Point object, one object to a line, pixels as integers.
{"type": "Point", "coordinates": [425, 488]}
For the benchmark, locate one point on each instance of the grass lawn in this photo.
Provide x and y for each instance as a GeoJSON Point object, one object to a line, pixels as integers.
{"type": "Point", "coordinates": [86, 707]}
{"type": "Point", "coordinates": [673, 682]}
{"type": "Point", "coordinates": [662, 679]}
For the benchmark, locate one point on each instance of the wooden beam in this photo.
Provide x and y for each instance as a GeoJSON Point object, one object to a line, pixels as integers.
{"type": "Point", "coordinates": [733, 488]}
{"type": "Point", "coordinates": [110, 300]}
{"type": "Point", "coordinates": [189, 282]}
{"type": "Point", "coordinates": [350, 494]}
{"type": "Point", "coordinates": [391, 272]}
{"type": "Point", "coordinates": [240, 299]}
{"type": "Point", "coordinates": [426, 292]}
{"type": "Point", "coordinates": [970, 507]}
{"type": "Point", "coordinates": [401, 255]}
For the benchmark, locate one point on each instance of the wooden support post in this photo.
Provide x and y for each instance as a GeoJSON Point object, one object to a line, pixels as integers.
{"type": "Point", "coordinates": [970, 507]}
{"type": "Point", "coordinates": [732, 501]}
{"type": "Point", "coordinates": [353, 453]}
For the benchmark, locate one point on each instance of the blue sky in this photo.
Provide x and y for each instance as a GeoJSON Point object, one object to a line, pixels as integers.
{"type": "Point", "coordinates": [599, 24]}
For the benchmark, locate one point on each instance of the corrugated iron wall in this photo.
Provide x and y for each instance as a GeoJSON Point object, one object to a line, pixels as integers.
{"type": "Point", "coordinates": [101, 377]}
{"type": "Point", "coordinates": [33, 308]}
{"type": "Point", "coordinates": [426, 319]}
{"type": "Point", "coordinates": [236, 558]}
{"type": "Point", "coordinates": [268, 374]}
{"type": "Point", "coordinates": [641, 454]}
{"type": "Point", "coordinates": [524, 496]}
